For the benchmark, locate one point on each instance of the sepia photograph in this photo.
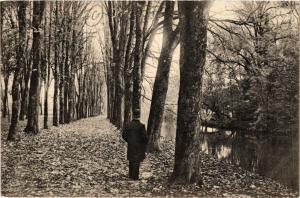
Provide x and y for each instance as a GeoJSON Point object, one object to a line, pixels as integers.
{"type": "Point", "coordinates": [149, 98]}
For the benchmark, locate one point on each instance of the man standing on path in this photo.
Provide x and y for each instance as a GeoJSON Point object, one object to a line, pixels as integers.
{"type": "Point", "coordinates": [136, 137]}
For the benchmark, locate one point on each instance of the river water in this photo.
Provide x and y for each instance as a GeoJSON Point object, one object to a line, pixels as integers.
{"type": "Point", "coordinates": [276, 158]}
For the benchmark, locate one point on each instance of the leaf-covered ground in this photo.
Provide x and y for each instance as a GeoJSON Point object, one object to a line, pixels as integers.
{"type": "Point", "coordinates": [88, 158]}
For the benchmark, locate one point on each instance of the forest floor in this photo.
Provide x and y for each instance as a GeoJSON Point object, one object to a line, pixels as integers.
{"type": "Point", "coordinates": [88, 158]}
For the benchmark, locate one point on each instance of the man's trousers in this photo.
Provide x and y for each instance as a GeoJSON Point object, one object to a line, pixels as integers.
{"type": "Point", "coordinates": [134, 170]}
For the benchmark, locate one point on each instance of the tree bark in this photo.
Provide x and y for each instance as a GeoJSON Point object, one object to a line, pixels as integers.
{"type": "Point", "coordinates": [47, 82]}
{"type": "Point", "coordinates": [160, 89]}
{"type": "Point", "coordinates": [107, 67]}
{"type": "Point", "coordinates": [62, 72]}
{"type": "Point", "coordinates": [1, 22]}
{"type": "Point", "coordinates": [24, 97]}
{"type": "Point", "coordinates": [34, 92]}
{"type": "Point", "coordinates": [5, 97]}
{"type": "Point", "coordinates": [66, 64]}
{"type": "Point", "coordinates": [55, 72]}
{"type": "Point", "coordinates": [136, 73]}
{"type": "Point", "coordinates": [66, 85]}
{"type": "Point", "coordinates": [144, 38]}
{"type": "Point", "coordinates": [127, 73]}
{"type": "Point", "coordinates": [117, 35]}
{"type": "Point", "coordinates": [26, 76]}
{"type": "Point", "coordinates": [5, 110]}
{"type": "Point", "coordinates": [193, 18]}
{"type": "Point", "coordinates": [71, 82]}
{"type": "Point", "coordinates": [18, 70]}
{"type": "Point", "coordinates": [117, 113]}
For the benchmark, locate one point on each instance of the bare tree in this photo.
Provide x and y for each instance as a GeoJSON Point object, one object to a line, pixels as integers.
{"type": "Point", "coordinates": [127, 70]}
{"type": "Point", "coordinates": [48, 66]}
{"type": "Point", "coordinates": [34, 92]}
{"type": "Point", "coordinates": [26, 73]}
{"type": "Point", "coordinates": [56, 68]}
{"type": "Point", "coordinates": [18, 70]}
{"type": "Point", "coordinates": [170, 41]}
{"type": "Point", "coordinates": [193, 17]}
{"type": "Point", "coordinates": [1, 22]}
{"type": "Point", "coordinates": [136, 73]}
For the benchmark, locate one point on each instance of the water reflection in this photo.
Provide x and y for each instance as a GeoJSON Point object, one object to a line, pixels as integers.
{"type": "Point", "coordinates": [276, 158]}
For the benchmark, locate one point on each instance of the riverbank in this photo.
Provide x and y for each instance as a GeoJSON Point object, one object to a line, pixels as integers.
{"type": "Point", "coordinates": [88, 158]}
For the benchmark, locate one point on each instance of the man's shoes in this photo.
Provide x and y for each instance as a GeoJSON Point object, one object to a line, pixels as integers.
{"type": "Point", "coordinates": [133, 179]}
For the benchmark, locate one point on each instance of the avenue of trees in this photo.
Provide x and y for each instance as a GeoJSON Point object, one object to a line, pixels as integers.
{"type": "Point", "coordinates": [129, 55]}
{"type": "Point", "coordinates": [44, 42]}
{"type": "Point", "coordinates": [248, 80]}
{"type": "Point", "coordinates": [131, 28]}
{"type": "Point", "coordinates": [125, 61]}
{"type": "Point", "coordinates": [235, 73]}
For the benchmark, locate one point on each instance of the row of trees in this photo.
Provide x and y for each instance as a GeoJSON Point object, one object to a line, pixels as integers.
{"type": "Point", "coordinates": [132, 28]}
{"type": "Point", "coordinates": [126, 46]}
{"type": "Point", "coordinates": [250, 80]}
{"type": "Point", "coordinates": [42, 42]}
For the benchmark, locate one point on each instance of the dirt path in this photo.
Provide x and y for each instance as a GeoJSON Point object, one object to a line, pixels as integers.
{"type": "Point", "coordinates": [85, 158]}
{"type": "Point", "coordinates": [88, 158]}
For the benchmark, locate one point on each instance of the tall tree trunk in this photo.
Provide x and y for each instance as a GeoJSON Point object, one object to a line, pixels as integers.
{"type": "Point", "coordinates": [18, 70]}
{"type": "Point", "coordinates": [127, 72]}
{"type": "Point", "coordinates": [120, 63]}
{"type": "Point", "coordinates": [26, 77]}
{"type": "Point", "coordinates": [55, 96]}
{"type": "Point", "coordinates": [112, 93]}
{"type": "Point", "coordinates": [4, 103]}
{"type": "Point", "coordinates": [46, 102]}
{"type": "Point", "coordinates": [55, 72]}
{"type": "Point", "coordinates": [160, 89]}
{"type": "Point", "coordinates": [118, 93]}
{"type": "Point", "coordinates": [95, 83]}
{"type": "Point", "coordinates": [61, 96]}
{"type": "Point", "coordinates": [81, 94]}
{"type": "Point", "coordinates": [109, 89]}
{"type": "Point", "coordinates": [47, 83]}
{"type": "Point", "coordinates": [193, 18]}
{"type": "Point", "coordinates": [71, 88]}
{"type": "Point", "coordinates": [105, 54]}
{"type": "Point", "coordinates": [24, 96]}
{"type": "Point", "coordinates": [66, 85]}
{"type": "Point", "coordinates": [71, 82]}
{"type": "Point", "coordinates": [144, 38]}
{"type": "Point", "coordinates": [27, 74]}
{"type": "Point", "coordinates": [62, 71]}
{"type": "Point", "coordinates": [1, 22]}
{"type": "Point", "coordinates": [84, 100]}
{"type": "Point", "coordinates": [115, 33]}
{"type": "Point", "coordinates": [79, 105]}
{"type": "Point", "coordinates": [67, 71]}
{"type": "Point", "coordinates": [5, 97]}
{"type": "Point", "coordinates": [108, 104]}
{"type": "Point", "coordinates": [34, 92]}
{"type": "Point", "coordinates": [136, 73]}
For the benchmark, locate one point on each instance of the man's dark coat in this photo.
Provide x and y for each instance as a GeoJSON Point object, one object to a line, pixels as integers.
{"type": "Point", "coordinates": [136, 137]}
